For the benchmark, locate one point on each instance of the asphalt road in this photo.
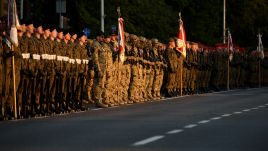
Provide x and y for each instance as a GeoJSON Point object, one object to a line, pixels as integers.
{"type": "Point", "coordinates": [227, 121]}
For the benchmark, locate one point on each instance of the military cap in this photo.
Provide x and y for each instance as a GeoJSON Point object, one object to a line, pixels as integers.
{"type": "Point", "coordinates": [171, 40]}
{"type": "Point", "coordinates": [106, 35]}
{"type": "Point", "coordinates": [154, 40]}
{"type": "Point", "coordinates": [100, 33]}
{"type": "Point", "coordinates": [29, 22]}
{"type": "Point", "coordinates": [80, 34]}
{"type": "Point", "coordinates": [46, 27]}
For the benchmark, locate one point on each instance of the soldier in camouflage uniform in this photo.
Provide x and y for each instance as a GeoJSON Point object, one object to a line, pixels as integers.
{"type": "Point", "coordinates": [126, 73]}
{"type": "Point", "coordinates": [134, 82]}
{"type": "Point", "coordinates": [90, 71]}
{"type": "Point", "coordinates": [171, 59]}
{"type": "Point", "coordinates": [99, 60]}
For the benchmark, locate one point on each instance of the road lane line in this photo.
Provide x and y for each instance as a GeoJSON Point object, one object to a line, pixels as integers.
{"type": "Point", "coordinates": [237, 112]}
{"type": "Point", "coordinates": [97, 109]}
{"type": "Point", "coordinates": [266, 104]}
{"type": "Point", "coordinates": [215, 118]}
{"type": "Point", "coordinates": [190, 126]}
{"type": "Point", "coordinates": [246, 110]}
{"type": "Point", "coordinates": [261, 106]}
{"type": "Point", "coordinates": [255, 108]}
{"type": "Point", "coordinates": [175, 131]}
{"type": "Point", "coordinates": [148, 140]}
{"type": "Point", "coordinates": [226, 115]}
{"type": "Point", "coordinates": [204, 122]}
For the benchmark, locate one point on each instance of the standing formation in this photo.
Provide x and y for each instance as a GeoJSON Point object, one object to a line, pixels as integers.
{"type": "Point", "coordinates": [60, 71]}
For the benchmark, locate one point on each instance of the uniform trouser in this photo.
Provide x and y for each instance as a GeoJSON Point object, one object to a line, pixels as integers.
{"type": "Point", "coordinates": [119, 87]}
{"type": "Point", "coordinates": [184, 77]}
{"type": "Point", "coordinates": [151, 82]}
{"type": "Point", "coordinates": [177, 84]}
{"type": "Point", "coordinates": [125, 82]}
{"type": "Point", "coordinates": [193, 78]}
{"type": "Point", "coordinates": [109, 86]}
{"type": "Point", "coordinates": [98, 90]}
{"type": "Point", "coordinates": [1, 86]}
{"type": "Point", "coordinates": [171, 81]}
{"type": "Point", "coordinates": [144, 82]}
{"type": "Point", "coordinates": [50, 86]}
{"type": "Point", "coordinates": [140, 93]}
{"type": "Point", "coordinates": [148, 75]}
{"type": "Point", "coordinates": [133, 88]}
{"type": "Point", "coordinates": [9, 85]}
{"type": "Point", "coordinates": [161, 80]}
{"type": "Point", "coordinates": [90, 83]}
{"type": "Point", "coordinates": [156, 83]}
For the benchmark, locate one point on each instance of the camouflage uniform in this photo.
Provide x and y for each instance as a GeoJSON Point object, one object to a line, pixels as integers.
{"type": "Point", "coordinates": [99, 59]}
{"type": "Point", "coordinates": [171, 58]}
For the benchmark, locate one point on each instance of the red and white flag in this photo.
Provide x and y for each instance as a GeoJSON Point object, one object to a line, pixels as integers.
{"type": "Point", "coordinates": [121, 39]}
{"type": "Point", "coordinates": [182, 40]}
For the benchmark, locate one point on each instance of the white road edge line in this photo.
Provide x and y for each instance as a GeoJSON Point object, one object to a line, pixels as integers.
{"type": "Point", "coordinates": [226, 115]}
{"type": "Point", "coordinates": [204, 122]}
{"type": "Point", "coordinates": [190, 126]}
{"type": "Point", "coordinates": [148, 140]}
{"type": "Point", "coordinates": [175, 131]}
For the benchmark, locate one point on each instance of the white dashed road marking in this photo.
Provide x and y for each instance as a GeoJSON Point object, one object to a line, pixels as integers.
{"type": "Point", "coordinates": [148, 140]}
{"type": "Point", "coordinates": [246, 110]}
{"type": "Point", "coordinates": [175, 131]}
{"type": "Point", "coordinates": [215, 118]}
{"type": "Point", "coordinates": [261, 106]}
{"type": "Point", "coordinates": [255, 108]}
{"type": "Point", "coordinates": [204, 121]}
{"type": "Point", "coordinates": [190, 126]}
{"type": "Point", "coordinates": [237, 112]}
{"type": "Point", "coordinates": [226, 115]}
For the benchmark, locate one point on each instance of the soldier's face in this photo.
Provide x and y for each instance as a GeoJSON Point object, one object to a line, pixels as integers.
{"type": "Point", "coordinates": [39, 30]}
{"type": "Point", "coordinates": [99, 38]}
{"type": "Point", "coordinates": [113, 38]}
{"type": "Point", "coordinates": [54, 33]}
{"type": "Point", "coordinates": [23, 28]}
{"type": "Point", "coordinates": [74, 37]}
{"type": "Point", "coordinates": [30, 28]}
{"type": "Point", "coordinates": [83, 39]}
{"type": "Point", "coordinates": [172, 44]}
{"type": "Point", "coordinates": [108, 39]}
{"type": "Point", "coordinates": [60, 35]}
{"type": "Point", "coordinates": [47, 33]}
{"type": "Point", "coordinates": [67, 36]}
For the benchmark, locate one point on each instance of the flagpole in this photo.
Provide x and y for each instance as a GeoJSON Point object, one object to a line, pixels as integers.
{"type": "Point", "coordinates": [228, 63]}
{"type": "Point", "coordinates": [259, 61]}
{"type": "Point", "coordinates": [118, 57]}
{"type": "Point", "coordinates": [14, 19]}
{"type": "Point", "coordinates": [181, 63]}
{"type": "Point", "coordinates": [14, 85]}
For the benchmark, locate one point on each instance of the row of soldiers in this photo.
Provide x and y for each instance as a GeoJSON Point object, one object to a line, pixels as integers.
{"type": "Point", "coordinates": [50, 71]}
{"type": "Point", "coordinates": [58, 71]}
